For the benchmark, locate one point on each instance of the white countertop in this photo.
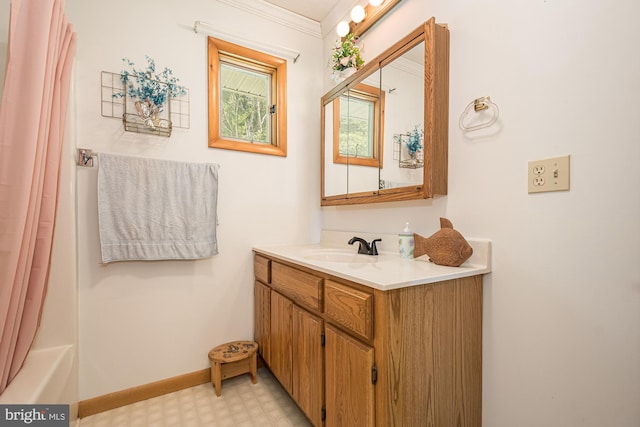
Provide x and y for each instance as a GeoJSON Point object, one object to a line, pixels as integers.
{"type": "Point", "coordinates": [385, 271]}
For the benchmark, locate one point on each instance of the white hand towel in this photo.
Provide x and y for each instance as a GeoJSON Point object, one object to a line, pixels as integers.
{"type": "Point", "coordinates": [152, 209]}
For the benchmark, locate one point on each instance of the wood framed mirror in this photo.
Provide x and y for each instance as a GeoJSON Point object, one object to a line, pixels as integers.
{"type": "Point", "coordinates": [394, 146]}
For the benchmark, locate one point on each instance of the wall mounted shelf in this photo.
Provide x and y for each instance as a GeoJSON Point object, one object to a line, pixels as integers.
{"type": "Point", "coordinates": [175, 114]}
{"type": "Point", "coordinates": [402, 155]}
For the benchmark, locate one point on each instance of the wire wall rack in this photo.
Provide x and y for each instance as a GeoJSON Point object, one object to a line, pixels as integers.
{"type": "Point", "coordinates": [115, 103]}
{"type": "Point", "coordinates": [405, 159]}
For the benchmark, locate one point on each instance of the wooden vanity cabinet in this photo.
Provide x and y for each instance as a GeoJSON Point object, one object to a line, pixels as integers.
{"type": "Point", "coordinates": [289, 336]}
{"type": "Point", "coordinates": [404, 357]}
{"type": "Point", "coordinates": [428, 341]}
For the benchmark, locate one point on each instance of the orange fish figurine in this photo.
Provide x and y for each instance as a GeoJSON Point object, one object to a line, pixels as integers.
{"type": "Point", "coordinates": [444, 247]}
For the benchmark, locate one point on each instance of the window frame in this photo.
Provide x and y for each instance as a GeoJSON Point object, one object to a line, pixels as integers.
{"type": "Point", "coordinates": [257, 61]}
{"type": "Point", "coordinates": [376, 97]}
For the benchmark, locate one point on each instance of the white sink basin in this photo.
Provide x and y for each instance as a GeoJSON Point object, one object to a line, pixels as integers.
{"type": "Point", "coordinates": [341, 257]}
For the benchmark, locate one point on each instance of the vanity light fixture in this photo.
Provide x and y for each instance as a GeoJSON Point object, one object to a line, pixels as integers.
{"type": "Point", "coordinates": [343, 28]}
{"type": "Point", "coordinates": [357, 14]}
{"type": "Point", "coordinates": [364, 17]}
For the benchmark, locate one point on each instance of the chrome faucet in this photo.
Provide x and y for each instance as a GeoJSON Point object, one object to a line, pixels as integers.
{"type": "Point", "coordinates": [365, 248]}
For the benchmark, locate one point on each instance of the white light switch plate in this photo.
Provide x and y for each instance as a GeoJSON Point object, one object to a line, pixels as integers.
{"type": "Point", "coordinates": [549, 175]}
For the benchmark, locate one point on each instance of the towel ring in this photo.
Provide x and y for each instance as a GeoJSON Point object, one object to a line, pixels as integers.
{"type": "Point", "coordinates": [479, 104]}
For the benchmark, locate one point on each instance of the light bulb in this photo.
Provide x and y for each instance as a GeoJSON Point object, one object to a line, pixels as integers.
{"type": "Point", "coordinates": [357, 14]}
{"type": "Point", "coordinates": [342, 29]}
{"type": "Point", "coordinates": [375, 3]}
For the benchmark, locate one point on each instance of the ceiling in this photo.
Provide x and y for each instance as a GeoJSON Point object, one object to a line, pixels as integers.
{"type": "Point", "coordinates": [316, 10]}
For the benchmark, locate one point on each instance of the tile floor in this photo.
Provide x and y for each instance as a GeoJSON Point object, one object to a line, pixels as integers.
{"type": "Point", "coordinates": [242, 403]}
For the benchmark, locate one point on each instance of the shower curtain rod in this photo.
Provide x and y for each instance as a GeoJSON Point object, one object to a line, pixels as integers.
{"type": "Point", "coordinates": [207, 28]}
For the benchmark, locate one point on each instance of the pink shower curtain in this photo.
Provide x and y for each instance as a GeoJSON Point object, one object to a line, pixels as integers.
{"type": "Point", "coordinates": [32, 116]}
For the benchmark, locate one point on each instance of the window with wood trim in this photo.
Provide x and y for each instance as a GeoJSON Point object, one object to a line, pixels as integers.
{"type": "Point", "coordinates": [357, 130]}
{"type": "Point", "coordinates": [247, 99]}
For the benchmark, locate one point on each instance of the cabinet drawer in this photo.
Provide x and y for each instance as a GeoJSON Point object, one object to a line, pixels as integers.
{"type": "Point", "coordinates": [262, 268]}
{"type": "Point", "coordinates": [349, 308]}
{"type": "Point", "coordinates": [303, 288]}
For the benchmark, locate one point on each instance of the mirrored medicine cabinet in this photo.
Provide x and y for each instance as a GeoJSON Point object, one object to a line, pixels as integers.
{"type": "Point", "coordinates": [384, 130]}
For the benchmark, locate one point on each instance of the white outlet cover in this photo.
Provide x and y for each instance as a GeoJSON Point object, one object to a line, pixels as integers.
{"type": "Point", "coordinates": [549, 175]}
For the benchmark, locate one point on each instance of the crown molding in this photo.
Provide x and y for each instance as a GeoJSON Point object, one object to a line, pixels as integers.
{"type": "Point", "coordinates": [278, 15]}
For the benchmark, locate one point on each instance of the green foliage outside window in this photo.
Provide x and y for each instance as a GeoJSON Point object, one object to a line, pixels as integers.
{"type": "Point", "coordinates": [356, 134]}
{"type": "Point", "coordinates": [244, 106]}
{"type": "Point", "coordinates": [244, 118]}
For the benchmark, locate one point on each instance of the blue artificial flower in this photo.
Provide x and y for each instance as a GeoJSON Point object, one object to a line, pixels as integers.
{"type": "Point", "coordinates": [414, 142]}
{"type": "Point", "coordinates": [147, 85]}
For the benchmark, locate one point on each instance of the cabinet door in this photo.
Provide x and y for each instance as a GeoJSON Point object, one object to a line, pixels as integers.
{"type": "Point", "coordinates": [349, 385]}
{"type": "Point", "coordinates": [307, 364]}
{"type": "Point", "coordinates": [262, 320]}
{"type": "Point", "coordinates": [281, 334]}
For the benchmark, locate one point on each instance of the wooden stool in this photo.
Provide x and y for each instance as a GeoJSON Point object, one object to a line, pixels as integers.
{"type": "Point", "coordinates": [233, 359]}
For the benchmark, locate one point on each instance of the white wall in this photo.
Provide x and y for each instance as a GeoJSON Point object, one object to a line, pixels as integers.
{"type": "Point", "coordinates": [561, 331]}
{"type": "Point", "coordinates": [145, 321]}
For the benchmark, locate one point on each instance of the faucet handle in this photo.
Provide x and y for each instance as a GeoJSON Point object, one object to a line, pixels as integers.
{"type": "Point", "coordinates": [374, 249]}
{"type": "Point", "coordinates": [363, 247]}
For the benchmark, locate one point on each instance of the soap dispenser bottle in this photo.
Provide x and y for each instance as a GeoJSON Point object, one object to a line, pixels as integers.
{"type": "Point", "coordinates": [406, 242]}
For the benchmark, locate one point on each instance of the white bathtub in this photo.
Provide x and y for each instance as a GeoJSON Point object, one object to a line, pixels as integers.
{"type": "Point", "coordinates": [44, 377]}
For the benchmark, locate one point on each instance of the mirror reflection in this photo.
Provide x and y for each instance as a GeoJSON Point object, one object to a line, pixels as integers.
{"type": "Point", "coordinates": [356, 134]}
{"type": "Point", "coordinates": [354, 141]}
{"type": "Point", "coordinates": [403, 80]}
{"type": "Point", "coordinates": [374, 145]}
{"type": "Point", "coordinates": [335, 174]}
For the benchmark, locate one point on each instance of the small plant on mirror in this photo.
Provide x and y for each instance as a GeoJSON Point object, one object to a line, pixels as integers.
{"type": "Point", "coordinates": [151, 89]}
{"type": "Point", "coordinates": [346, 58]}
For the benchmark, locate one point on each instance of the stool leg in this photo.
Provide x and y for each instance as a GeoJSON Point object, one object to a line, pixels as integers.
{"type": "Point", "coordinates": [254, 368]}
{"type": "Point", "coordinates": [216, 377]}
